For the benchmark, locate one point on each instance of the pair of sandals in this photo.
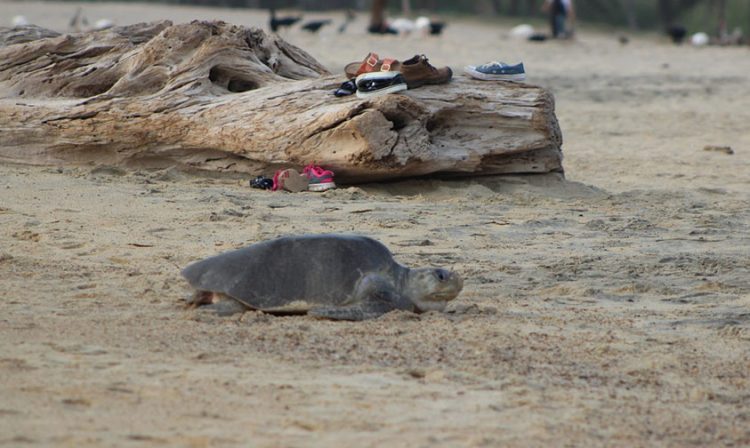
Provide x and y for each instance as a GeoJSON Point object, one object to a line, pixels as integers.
{"type": "Point", "coordinates": [371, 63]}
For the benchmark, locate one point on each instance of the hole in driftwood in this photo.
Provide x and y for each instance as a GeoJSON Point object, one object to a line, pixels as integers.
{"type": "Point", "coordinates": [399, 120]}
{"type": "Point", "coordinates": [435, 122]}
{"type": "Point", "coordinates": [92, 89]}
{"type": "Point", "coordinates": [241, 85]}
{"type": "Point", "coordinates": [214, 75]}
{"type": "Point", "coordinates": [231, 80]}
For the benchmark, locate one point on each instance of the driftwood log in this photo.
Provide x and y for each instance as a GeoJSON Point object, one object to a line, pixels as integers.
{"type": "Point", "coordinates": [214, 96]}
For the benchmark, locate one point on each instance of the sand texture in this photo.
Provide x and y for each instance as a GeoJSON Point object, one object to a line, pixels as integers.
{"type": "Point", "coordinates": [610, 308]}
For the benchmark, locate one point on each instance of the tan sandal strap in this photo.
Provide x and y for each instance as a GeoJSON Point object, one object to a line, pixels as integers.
{"type": "Point", "coordinates": [369, 64]}
{"type": "Point", "coordinates": [372, 59]}
{"type": "Point", "coordinates": [387, 64]}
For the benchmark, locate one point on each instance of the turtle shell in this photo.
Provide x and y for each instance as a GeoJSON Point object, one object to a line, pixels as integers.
{"type": "Point", "coordinates": [295, 273]}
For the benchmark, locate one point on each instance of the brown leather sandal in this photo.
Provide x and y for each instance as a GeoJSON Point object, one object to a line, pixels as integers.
{"type": "Point", "coordinates": [371, 63]}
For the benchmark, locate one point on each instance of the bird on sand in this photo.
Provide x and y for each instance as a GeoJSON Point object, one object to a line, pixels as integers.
{"type": "Point", "coordinates": [350, 16]}
{"type": "Point", "coordinates": [402, 26]}
{"type": "Point", "coordinates": [436, 28]}
{"type": "Point", "coordinates": [277, 23]}
{"type": "Point", "coordinates": [426, 26]}
{"type": "Point", "coordinates": [103, 24]}
{"type": "Point", "coordinates": [20, 21]}
{"type": "Point", "coordinates": [314, 26]}
{"type": "Point", "coordinates": [79, 21]}
{"type": "Point", "coordinates": [677, 33]}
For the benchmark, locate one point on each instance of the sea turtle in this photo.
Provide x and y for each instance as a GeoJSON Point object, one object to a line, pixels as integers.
{"type": "Point", "coordinates": [347, 277]}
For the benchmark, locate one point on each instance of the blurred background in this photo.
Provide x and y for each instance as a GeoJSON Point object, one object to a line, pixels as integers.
{"type": "Point", "coordinates": [710, 16]}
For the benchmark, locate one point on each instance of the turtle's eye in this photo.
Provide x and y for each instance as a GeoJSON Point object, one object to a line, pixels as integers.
{"type": "Point", "coordinates": [441, 274]}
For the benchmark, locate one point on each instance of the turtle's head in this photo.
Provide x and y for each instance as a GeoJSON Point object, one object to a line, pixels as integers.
{"type": "Point", "coordinates": [432, 288]}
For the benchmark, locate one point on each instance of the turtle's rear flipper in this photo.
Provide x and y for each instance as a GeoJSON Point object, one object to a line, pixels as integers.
{"type": "Point", "coordinates": [355, 312]}
{"type": "Point", "coordinates": [199, 298]}
{"type": "Point", "coordinates": [226, 307]}
{"type": "Point", "coordinates": [216, 302]}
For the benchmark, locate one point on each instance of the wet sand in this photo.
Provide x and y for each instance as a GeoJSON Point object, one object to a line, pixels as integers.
{"type": "Point", "coordinates": [611, 307]}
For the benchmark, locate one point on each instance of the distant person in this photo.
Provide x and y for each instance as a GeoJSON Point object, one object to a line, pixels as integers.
{"type": "Point", "coordinates": [561, 17]}
{"type": "Point", "coordinates": [378, 25]}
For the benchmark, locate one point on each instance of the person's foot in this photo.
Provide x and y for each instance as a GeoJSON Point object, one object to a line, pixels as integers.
{"type": "Point", "coordinates": [417, 72]}
{"type": "Point", "coordinates": [497, 71]}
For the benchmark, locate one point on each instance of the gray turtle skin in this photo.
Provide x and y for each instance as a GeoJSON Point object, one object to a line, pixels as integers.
{"type": "Point", "coordinates": [346, 277]}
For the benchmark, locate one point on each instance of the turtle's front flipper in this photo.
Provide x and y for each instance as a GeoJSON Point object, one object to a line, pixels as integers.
{"type": "Point", "coordinates": [374, 296]}
{"type": "Point", "coordinates": [363, 311]}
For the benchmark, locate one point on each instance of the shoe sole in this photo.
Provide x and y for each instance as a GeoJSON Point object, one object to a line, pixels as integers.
{"type": "Point", "coordinates": [292, 181]}
{"type": "Point", "coordinates": [351, 69]}
{"type": "Point", "coordinates": [391, 89]}
{"type": "Point", "coordinates": [485, 77]}
{"type": "Point", "coordinates": [413, 84]}
{"type": "Point", "coordinates": [322, 186]}
{"type": "Point", "coordinates": [417, 84]}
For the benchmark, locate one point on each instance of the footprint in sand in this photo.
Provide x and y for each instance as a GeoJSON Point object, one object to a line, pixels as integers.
{"type": "Point", "coordinates": [72, 245]}
{"type": "Point", "coordinates": [734, 331]}
{"type": "Point", "coordinates": [27, 235]}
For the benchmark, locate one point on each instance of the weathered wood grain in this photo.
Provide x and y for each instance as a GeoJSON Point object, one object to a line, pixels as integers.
{"type": "Point", "coordinates": [218, 97]}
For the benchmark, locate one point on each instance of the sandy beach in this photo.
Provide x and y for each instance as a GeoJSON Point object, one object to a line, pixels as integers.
{"type": "Point", "coordinates": [608, 307]}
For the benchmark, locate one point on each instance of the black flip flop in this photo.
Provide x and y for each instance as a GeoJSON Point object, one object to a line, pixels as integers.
{"type": "Point", "coordinates": [346, 89]}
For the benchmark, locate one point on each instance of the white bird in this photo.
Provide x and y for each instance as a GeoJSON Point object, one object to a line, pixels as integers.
{"type": "Point", "coordinates": [422, 24]}
{"type": "Point", "coordinates": [699, 39]}
{"type": "Point", "coordinates": [523, 31]}
{"type": "Point", "coordinates": [103, 24]}
{"type": "Point", "coordinates": [403, 26]}
{"type": "Point", "coordinates": [19, 21]}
